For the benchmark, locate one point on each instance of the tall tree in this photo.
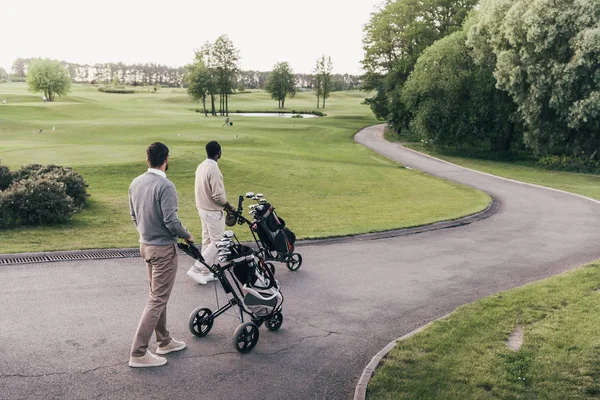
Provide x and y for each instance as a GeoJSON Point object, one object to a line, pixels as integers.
{"type": "Point", "coordinates": [326, 73]}
{"type": "Point", "coordinates": [49, 77]}
{"type": "Point", "coordinates": [545, 55]}
{"type": "Point", "coordinates": [318, 81]}
{"type": "Point", "coordinates": [199, 81]}
{"type": "Point", "coordinates": [225, 57]}
{"type": "Point", "coordinates": [281, 83]}
{"type": "Point", "coordinates": [19, 66]}
{"type": "Point", "coordinates": [455, 102]}
{"type": "Point", "coordinates": [395, 37]}
{"type": "Point", "coordinates": [3, 74]}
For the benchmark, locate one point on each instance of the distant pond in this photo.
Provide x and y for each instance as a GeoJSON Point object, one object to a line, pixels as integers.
{"type": "Point", "coordinates": [280, 115]}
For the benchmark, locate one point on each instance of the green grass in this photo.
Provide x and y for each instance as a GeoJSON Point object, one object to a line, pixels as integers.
{"type": "Point", "coordinates": [321, 182]}
{"type": "Point", "coordinates": [465, 355]}
{"type": "Point", "coordinates": [524, 169]}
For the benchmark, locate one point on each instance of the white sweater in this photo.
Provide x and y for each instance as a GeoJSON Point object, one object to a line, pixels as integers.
{"type": "Point", "coordinates": [209, 187]}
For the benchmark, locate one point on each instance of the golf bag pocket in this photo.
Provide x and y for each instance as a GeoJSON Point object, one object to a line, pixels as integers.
{"type": "Point", "coordinates": [283, 241]}
{"type": "Point", "coordinates": [262, 302]}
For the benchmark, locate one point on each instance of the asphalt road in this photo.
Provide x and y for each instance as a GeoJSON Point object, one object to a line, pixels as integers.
{"type": "Point", "coordinates": [66, 327]}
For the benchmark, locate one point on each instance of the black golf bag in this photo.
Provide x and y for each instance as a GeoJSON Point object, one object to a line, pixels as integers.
{"type": "Point", "coordinates": [272, 231]}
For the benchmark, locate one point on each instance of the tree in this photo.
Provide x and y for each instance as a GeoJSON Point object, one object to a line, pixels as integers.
{"type": "Point", "coordinates": [318, 82]}
{"type": "Point", "coordinates": [453, 101]}
{"type": "Point", "coordinates": [545, 53]}
{"type": "Point", "coordinates": [49, 77]}
{"type": "Point", "coordinates": [209, 71]}
{"type": "Point", "coordinates": [200, 82]}
{"type": "Point", "coordinates": [281, 83]}
{"type": "Point", "coordinates": [225, 57]}
{"type": "Point", "coordinates": [3, 74]}
{"type": "Point", "coordinates": [395, 37]}
{"type": "Point", "coordinates": [18, 67]}
{"type": "Point", "coordinates": [322, 72]}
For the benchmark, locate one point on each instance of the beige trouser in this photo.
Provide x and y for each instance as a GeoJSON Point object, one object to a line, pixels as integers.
{"type": "Point", "coordinates": [161, 262]}
{"type": "Point", "coordinates": [213, 227]}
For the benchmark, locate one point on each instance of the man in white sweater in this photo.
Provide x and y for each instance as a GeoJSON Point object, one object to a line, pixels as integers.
{"type": "Point", "coordinates": [210, 202]}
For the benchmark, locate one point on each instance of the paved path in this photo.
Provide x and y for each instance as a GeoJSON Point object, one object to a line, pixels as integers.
{"type": "Point", "coordinates": [66, 328]}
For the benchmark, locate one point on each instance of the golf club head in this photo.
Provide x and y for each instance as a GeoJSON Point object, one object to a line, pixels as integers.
{"type": "Point", "coordinates": [260, 207]}
{"type": "Point", "coordinates": [263, 201]}
{"type": "Point", "coordinates": [255, 198]}
{"type": "Point", "coordinates": [259, 195]}
{"type": "Point", "coordinates": [223, 259]}
{"type": "Point", "coordinates": [228, 234]}
{"type": "Point", "coordinates": [249, 195]}
{"type": "Point", "coordinates": [252, 212]}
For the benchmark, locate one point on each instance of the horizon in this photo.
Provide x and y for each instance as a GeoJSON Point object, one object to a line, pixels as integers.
{"type": "Point", "coordinates": [125, 32]}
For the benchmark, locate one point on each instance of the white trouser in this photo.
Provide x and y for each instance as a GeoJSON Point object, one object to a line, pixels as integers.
{"type": "Point", "coordinates": [213, 227]}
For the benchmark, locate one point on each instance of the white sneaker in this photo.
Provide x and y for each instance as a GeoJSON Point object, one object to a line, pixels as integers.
{"type": "Point", "coordinates": [174, 345]}
{"type": "Point", "coordinates": [208, 276]}
{"type": "Point", "coordinates": [196, 275]}
{"type": "Point", "coordinates": [147, 360]}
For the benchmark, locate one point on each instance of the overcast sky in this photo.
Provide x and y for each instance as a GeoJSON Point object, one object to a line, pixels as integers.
{"type": "Point", "coordinates": [168, 31]}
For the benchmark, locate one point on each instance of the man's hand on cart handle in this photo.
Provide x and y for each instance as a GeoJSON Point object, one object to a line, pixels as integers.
{"type": "Point", "coordinates": [190, 239]}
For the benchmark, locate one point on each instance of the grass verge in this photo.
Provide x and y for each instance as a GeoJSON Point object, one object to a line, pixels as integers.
{"type": "Point", "coordinates": [465, 356]}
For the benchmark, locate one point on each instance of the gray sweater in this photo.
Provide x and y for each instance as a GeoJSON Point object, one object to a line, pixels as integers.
{"type": "Point", "coordinates": [153, 209]}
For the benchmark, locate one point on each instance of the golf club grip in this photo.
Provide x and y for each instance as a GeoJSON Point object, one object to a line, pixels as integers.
{"type": "Point", "coordinates": [240, 200]}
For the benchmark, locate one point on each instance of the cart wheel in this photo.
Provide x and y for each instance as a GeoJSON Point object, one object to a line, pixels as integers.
{"type": "Point", "coordinates": [294, 261]}
{"type": "Point", "coordinates": [245, 337]}
{"type": "Point", "coordinates": [274, 323]}
{"type": "Point", "coordinates": [271, 266]}
{"type": "Point", "coordinates": [201, 321]}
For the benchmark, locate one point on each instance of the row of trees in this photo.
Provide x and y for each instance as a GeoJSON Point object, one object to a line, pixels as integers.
{"type": "Point", "coordinates": [156, 74]}
{"type": "Point", "coordinates": [258, 79]}
{"type": "Point", "coordinates": [134, 74]}
{"type": "Point", "coordinates": [215, 71]}
{"type": "Point", "coordinates": [282, 83]}
{"type": "Point", "coordinates": [511, 73]}
{"type": "Point", "coordinates": [213, 74]}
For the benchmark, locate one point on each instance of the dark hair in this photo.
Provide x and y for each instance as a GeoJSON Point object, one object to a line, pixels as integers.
{"type": "Point", "coordinates": [157, 153]}
{"type": "Point", "coordinates": [212, 148]}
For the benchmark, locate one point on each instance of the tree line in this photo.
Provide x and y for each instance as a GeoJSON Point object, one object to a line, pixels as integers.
{"type": "Point", "coordinates": [507, 74]}
{"type": "Point", "coordinates": [214, 75]}
{"type": "Point", "coordinates": [157, 74]}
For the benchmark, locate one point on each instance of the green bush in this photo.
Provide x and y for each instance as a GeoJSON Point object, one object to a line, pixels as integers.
{"type": "Point", "coordinates": [36, 201]}
{"type": "Point", "coordinates": [75, 186]}
{"type": "Point", "coordinates": [570, 163]}
{"type": "Point", "coordinates": [17, 79]}
{"type": "Point", "coordinates": [6, 177]}
{"type": "Point", "coordinates": [109, 89]}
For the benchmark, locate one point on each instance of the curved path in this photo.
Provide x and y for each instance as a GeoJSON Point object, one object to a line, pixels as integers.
{"type": "Point", "coordinates": [66, 327]}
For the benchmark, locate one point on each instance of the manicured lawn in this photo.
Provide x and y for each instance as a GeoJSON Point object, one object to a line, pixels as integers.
{"type": "Point", "coordinates": [465, 356]}
{"type": "Point", "coordinates": [320, 181]}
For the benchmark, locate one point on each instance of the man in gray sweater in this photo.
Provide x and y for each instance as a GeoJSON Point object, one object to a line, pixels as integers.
{"type": "Point", "coordinates": [153, 209]}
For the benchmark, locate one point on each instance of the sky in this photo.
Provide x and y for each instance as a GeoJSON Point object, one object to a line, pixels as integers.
{"type": "Point", "coordinates": [167, 32]}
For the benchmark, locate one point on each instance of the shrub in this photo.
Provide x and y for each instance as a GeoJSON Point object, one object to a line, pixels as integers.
{"type": "Point", "coordinates": [35, 201]}
{"type": "Point", "coordinates": [6, 177]}
{"type": "Point", "coordinates": [115, 90]}
{"type": "Point", "coordinates": [75, 186]}
{"type": "Point", "coordinates": [570, 163]}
